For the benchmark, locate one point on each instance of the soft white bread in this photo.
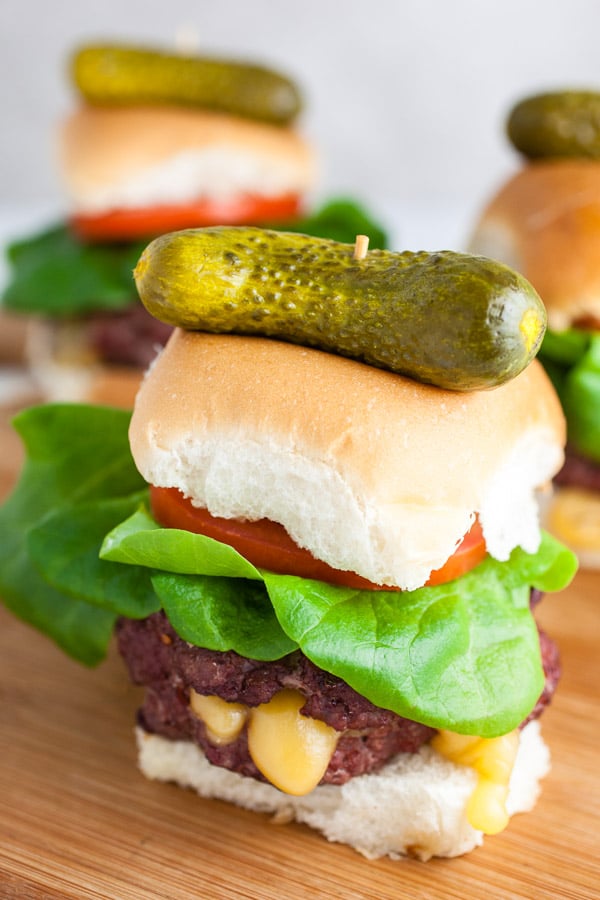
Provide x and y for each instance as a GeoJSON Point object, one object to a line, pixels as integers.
{"type": "Point", "coordinates": [414, 806]}
{"type": "Point", "coordinates": [545, 223]}
{"type": "Point", "coordinates": [142, 156]}
{"type": "Point", "coordinates": [372, 472]}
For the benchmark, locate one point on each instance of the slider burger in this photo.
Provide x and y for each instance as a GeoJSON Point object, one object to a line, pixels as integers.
{"type": "Point", "coordinates": [317, 537]}
{"type": "Point", "coordinates": [170, 141]}
{"type": "Point", "coordinates": [545, 222]}
{"type": "Point", "coordinates": [157, 142]}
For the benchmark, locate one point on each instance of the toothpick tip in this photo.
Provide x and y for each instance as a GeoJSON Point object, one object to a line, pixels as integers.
{"type": "Point", "coordinates": [361, 246]}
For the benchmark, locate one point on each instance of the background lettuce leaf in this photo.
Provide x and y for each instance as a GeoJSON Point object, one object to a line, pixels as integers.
{"type": "Point", "coordinates": [55, 274]}
{"type": "Point", "coordinates": [580, 395]}
{"type": "Point", "coordinates": [341, 219]}
{"type": "Point", "coordinates": [564, 348]}
{"type": "Point", "coordinates": [572, 360]}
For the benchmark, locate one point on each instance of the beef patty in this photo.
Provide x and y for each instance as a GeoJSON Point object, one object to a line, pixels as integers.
{"type": "Point", "coordinates": [579, 471]}
{"type": "Point", "coordinates": [129, 337]}
{"type": "Point", "coordinates": [170, 668]}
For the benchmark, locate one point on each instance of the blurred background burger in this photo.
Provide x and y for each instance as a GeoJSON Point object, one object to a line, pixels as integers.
{"type": "Point", "coordinates": [545, 222]}
{"type": "Point", "coordinates": [157, 142]}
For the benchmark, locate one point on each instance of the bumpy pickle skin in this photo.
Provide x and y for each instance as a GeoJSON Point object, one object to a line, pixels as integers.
{"type": "Point", "coordinates": [447, 319]}
{"type": "Point", "coordinates": [109, 75]}
{"type": "Point", "coordinates": [560, 125]}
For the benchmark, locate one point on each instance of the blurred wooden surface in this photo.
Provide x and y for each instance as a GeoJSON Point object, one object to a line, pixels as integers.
{"type": "Point", "coordinates": [13, 333]}
{"type": "Point", "coordinates": [77, 820]}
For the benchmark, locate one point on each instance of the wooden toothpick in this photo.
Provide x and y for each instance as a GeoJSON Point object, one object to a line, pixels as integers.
{"type": "Point", "coordinates": [361, 246]}
{"type": "Point", "coordinates": [187, 41]}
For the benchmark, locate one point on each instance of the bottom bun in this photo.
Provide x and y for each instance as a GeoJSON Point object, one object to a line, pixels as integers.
{"type": "Point", "coordinates": [114, 386]}
{"type": "Point", "coordinates": [65, 370]}
{"type": "Point", "coordinates": [572, 515]}
{"type": "Point", "coordinates": [413, 806]}
{"type": "Point", "coordinates": [98, 384]}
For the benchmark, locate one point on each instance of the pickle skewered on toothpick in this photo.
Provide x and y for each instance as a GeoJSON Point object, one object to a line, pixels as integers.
{"type": "Point", "coordinates": [449, 319]}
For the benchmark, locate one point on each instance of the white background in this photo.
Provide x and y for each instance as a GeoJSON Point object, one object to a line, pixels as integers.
{"type": "Point", "coordinates": [404, 99]}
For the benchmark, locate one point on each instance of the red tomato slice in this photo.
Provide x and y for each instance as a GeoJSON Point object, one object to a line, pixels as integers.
{"type": "Point", "coordinates": [268, 546]}
{"type": "Point", "coordinates": [128, 224]}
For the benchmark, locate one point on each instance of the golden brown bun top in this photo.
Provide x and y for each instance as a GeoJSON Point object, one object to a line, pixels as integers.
{"type": "Point", "coordinates": [101, 147]}
{"type": "Point", "coordinates": [371, 471]}
{"type": "Point", "coordinates": [545, 222]}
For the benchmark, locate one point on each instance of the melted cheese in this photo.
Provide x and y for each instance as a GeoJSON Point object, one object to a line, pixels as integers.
{"type": "Point", "coordinates": [493, 759]}
{"type": "Point", "coordinates": [291, 750]}
{"type": "Point", "coordinates": [224, 721]}
{"type": "Point", "coordinates": [575, 517]}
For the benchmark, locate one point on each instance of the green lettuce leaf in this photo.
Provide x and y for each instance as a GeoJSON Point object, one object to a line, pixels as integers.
{"type": "Point", "coordinates": [580, 396]}
{"type": "Point", "coordinates": [75, 455]}
{"type": "Point", "coordinates": [55, 274]}
{"type": "Point", "coordinates": [572, 360]}
{"type": "Point", "coordinates": [141, 541]}
{"type": "Point", "coordinates": [341, 219]}
{"type": "Point", "coordinates": [463, 655]}
{"type": "Point", "coordinates": [223, 614]}
{"type": "Point", "coordinates": [565, 348]}
{"type": "Point", "coordinates": [64, 547]}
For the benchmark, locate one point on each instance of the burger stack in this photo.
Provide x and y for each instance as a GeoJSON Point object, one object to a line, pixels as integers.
{"type": "Point", "coordinates": [320, 556]}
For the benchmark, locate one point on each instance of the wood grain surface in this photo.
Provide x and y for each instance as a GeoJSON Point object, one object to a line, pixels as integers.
{"type": "Point", "coordinates": [77, 820]}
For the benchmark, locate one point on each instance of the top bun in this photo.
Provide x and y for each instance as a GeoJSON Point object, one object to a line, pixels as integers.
{"type": "Point", "coordinates": [142, 156]}
{"type": "Point", "coordinates": [545, 223]}
{"type": "Point", "coordinates": [370, 471]}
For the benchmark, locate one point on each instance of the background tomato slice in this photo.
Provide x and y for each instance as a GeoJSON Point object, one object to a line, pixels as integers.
{"type": "Point", "coordinates": [129, 224]}
{"type": "Point", "coordinates": [268, 546]}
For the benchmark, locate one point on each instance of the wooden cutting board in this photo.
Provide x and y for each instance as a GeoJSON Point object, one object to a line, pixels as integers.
{"type": "Point", "coordinates": [77, 820]}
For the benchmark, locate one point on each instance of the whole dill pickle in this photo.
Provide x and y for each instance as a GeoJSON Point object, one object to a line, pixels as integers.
{"type": "Point", "coordinates": [449, 319]}
{"type": "Point", "coordinates": [113, 75]}
{"type": "Point", "coordinates": [557, 125]}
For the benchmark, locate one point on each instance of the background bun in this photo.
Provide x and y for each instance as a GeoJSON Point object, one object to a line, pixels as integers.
{"type": "Point", "coordinates": [370, 471]}
{"type": "Point", "coordinates": [141, 156]}
{"type": "Point", "coordinates": [545, 223]}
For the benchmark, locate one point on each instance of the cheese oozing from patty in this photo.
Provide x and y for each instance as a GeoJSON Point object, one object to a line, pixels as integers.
{"type": "Point", "coordinates": [293, 751]}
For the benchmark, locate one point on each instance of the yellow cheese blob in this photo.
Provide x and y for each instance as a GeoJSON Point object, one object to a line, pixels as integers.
{"type": "Point", "coordinates": [575, 517]}
{"type": "Point", "coordinates": [224, 721]}
{"type": "Point", "coordinates": [486, 809]}
{"type": "Point", "coordinates": [493, 759]}
{"type": "Point", "coordinates": [291, 750]}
